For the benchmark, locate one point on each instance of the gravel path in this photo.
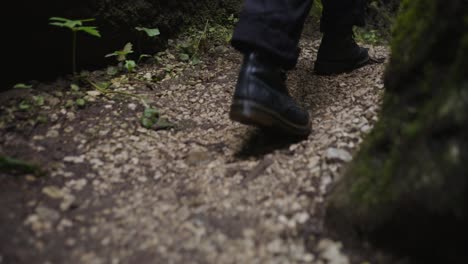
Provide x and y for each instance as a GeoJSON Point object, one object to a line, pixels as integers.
{"type": "Point", "coordinates": [207, 191]}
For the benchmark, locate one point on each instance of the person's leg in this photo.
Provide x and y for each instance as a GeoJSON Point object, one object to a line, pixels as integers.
{"type": "Point", "coordinates": [267, 34]}
{"type": "Point", "coordinates": [272, 27]}
{"type": "Point", "coordinates": [338, 51]}
{"type": "Point", "coordinates": [339, 16]}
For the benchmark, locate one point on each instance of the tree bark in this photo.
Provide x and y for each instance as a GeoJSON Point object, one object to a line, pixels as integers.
{"type": "Point", "coordinates": [407, 187]}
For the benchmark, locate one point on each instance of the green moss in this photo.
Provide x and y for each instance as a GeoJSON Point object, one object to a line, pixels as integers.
{"type": "Point", "coordinates": [316, 11]}
{"type": "Point", "coordinates": [416, 155]}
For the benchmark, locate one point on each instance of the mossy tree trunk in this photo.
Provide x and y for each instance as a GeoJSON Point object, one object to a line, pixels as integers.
{"type": "Point", "coordinates": [407, 187]}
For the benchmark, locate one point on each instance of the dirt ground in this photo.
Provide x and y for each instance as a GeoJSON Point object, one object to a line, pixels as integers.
{"type": "Point", "coordinates": [205, 191]}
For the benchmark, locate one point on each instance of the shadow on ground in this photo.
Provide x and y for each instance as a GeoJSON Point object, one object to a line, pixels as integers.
{"type": "Point", "coordinates": [263, 141]}
{"type": "Point", "coordinates": [307, 94]}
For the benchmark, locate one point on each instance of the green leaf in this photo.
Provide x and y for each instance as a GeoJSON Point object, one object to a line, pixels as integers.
{"type": "Point", "coordinates": [75, 25]}
{"type": "Point", "coordinates": [130, 65]}
{"type": "Point", "coordinates": [195, 60]}
{"type": "Point", "coordinates": [58, 24]}
{"type": "Point", "coordinates": [145, 56]}
{"type": "Point", "coordinates": [22, 86]}
{"type": "Point", "coordinates": [184, 57]}
{"type": "Point", "coordinates": [24, 105]}
{"type": "Point", "coordinates": [111, 54]}
{"type": "Point", "coordinates": [151, 32]}
{"type": "Point", "coordinates": [38, 100]}
{"type": "Point", "coordinates": [228, 38]}
{"type": "Point", "coordinates": [58, 19]}
{"type": "Point", "coordinates": [146, 122]}
{"type": "Point", "coordinates": [122, 54]}
{"type": "Point", "coordinates": [152, 120]}
{"type": "Point", "coordinates": [63, 22]}
{"type": "Point", "coordinates": [128, 48]}
{"type": "Point", "coordinates": [104, 85]}
{"type": "Point", "coordinates": [74, 87]}
{"type": "Point", "coordinates": [150, 117]}
{"type": "Point", "coordinates": [151, 113]}
{"type": "Point", "coordinates": [80, 102]}
{"type": "Point", "coordinates": [90, 30]}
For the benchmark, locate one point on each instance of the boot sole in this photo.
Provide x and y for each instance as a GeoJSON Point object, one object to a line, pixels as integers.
{"type": "Point", "coordinates": [329, 68]}
{"type": "Point", "coordinates": [250, 113]}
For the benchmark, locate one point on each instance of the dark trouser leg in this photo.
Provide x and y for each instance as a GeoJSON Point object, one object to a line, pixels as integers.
{"type": "Point", "coordinates": [272, 27]}
{"type": "Point", "coordinates": [339, 16]}
{"type": "Point", "coordinates": [338, 50]}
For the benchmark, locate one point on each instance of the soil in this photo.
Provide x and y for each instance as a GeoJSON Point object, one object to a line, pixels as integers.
{"type": "Point", "coordinates": [205, 191]}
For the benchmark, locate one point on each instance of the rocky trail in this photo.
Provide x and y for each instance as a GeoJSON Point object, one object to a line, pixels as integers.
{"type": "Point", "coordinates": [205, 191]}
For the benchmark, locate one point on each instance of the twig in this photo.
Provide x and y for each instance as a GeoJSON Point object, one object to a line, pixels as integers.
{"type": "Point", "coordinates": [105, 92]}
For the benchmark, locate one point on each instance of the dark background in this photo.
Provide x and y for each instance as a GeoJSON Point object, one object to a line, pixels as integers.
{"type": "Point", "coordinates": [38, 51]}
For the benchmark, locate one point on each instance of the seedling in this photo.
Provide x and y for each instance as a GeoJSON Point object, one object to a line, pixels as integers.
{"type": "Point", "coordinates": [121, 55]}
{"type": "Point", "coordinates": [75, 26]}
{"type": "Point", "coordinates": [150, 118]}
{"type": "Point", "coordinates": [189, 49]}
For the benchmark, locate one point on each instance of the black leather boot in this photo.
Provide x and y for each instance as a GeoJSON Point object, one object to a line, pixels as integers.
{"type": "Point", "coordinates": [261, 98]}
{"type": "Point", "coordinates": [339, 53]}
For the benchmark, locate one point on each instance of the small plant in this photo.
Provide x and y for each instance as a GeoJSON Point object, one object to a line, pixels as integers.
{"type": "Point", "coordinates": [75, 26]}
{"type": "Point", "coordinates": [122, 57]}
{"type": "Point", "coordinates": [190, 47]}
{"type": "Point", "coordinates": [196, 41]}
{"type": "Point", "coordinates": [369, 36]}
{"type": "Point", "coordinates": [130, 65]}
{"type": "Point", "coordinates": [31, 103]}
{"type": "Point", "coordinates": [151, 119]}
